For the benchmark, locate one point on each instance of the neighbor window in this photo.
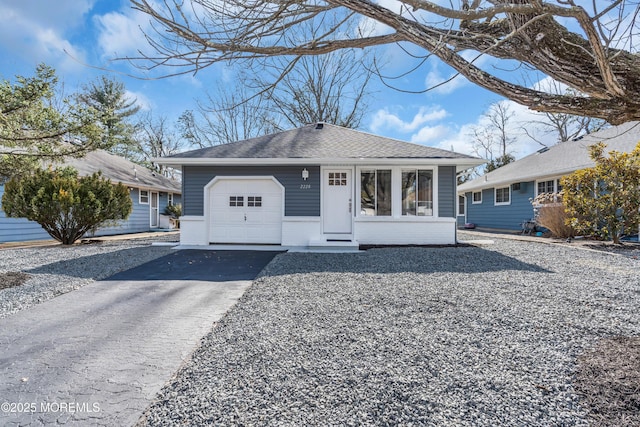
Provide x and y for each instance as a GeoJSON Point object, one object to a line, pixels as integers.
{"type": "Point", "coordinates": [417, 192]}
{"type": "Point", "coordinates": [477, 197]}
{"type": "Point", "coordinates": [503, 196]}
{"type": "Point", "coordinates": [144, 197]}
{"type": "Point", "coordinates": [461, 202]}
{"type": "Point", "coordinates": [550, 186]}
{"type": "Point", "coordinates": [375, 192]}
{"type": "Point", "coordinates": [546, 187]}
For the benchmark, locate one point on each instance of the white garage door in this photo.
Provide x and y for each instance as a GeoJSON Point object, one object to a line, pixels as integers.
{"type": "Point", "coordinates": [245, 211]}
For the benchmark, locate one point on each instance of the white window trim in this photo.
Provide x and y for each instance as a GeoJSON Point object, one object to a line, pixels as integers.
{"type": "Point", "coordinates": [473, 201]}
{"type": "Point", "coordinates": [495, 198]}
{"type": "Point", "coordinates": [404, 169]}
{"type": "Point", "coordinates": [464, 205]}
{"type": "Point", "coordinates": [169, 199]}
{"type": "Point", "coordinates": [396, 197]}
{"type": "Point", "coordinates": [140, 191]}
{"type": "Point", "coordinates": [555, 184]}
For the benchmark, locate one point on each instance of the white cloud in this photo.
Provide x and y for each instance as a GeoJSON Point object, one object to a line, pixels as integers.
{"type": "Point", "coordinates": [36, 31]}
{"type": "Point", "coordinates": [141, 99]}
{"type": "Point", "coordinates": [444, 85]}
{"type": "Point", "coordinates": [430, 134]}
{"type": "Point", "coordinates": [385, 119]}
{"type": "Point", "coordinates": [121, 33]}
{"type": "Point", "coordinates": [462, 140]}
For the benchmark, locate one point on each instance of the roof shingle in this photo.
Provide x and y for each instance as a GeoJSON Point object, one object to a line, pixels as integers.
{"type": "Point", "coordinates": [323, 141]}
{"type": "Point", "coordinates": [560, 159]}
{"type": "Point", "coordinates": [119, 169]}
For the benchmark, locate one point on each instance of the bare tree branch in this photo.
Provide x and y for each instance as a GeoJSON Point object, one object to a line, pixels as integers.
{"type": "Point", "coordinates": [589, 51]}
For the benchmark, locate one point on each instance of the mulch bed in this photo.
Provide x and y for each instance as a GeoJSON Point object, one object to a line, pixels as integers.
{"type": "Point", "coordinates": [12, 279]}
{"type": "Point", "coordinates": [608, 381]}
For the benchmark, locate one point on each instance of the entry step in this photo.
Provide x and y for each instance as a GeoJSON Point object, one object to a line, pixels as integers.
{"type": "Point", "coordinates": [334, 243]}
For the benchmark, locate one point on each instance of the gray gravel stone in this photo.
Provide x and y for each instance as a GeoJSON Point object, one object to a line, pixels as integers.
{"type": "Point", "coordinates": [464, 336]}
{"type": "Point", "coordinates": [56, 269]}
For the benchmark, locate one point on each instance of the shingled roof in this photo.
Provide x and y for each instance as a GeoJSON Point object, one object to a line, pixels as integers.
{"type": "Point", "coordinates": [560, 159]}
{"type": "Point", "coordinates": [119, 169]}
{"type": "Point", "coordinates": [319, 141]}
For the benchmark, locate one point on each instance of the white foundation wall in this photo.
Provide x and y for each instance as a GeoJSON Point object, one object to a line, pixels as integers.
{"type": "Point", "coordinates": [303, 231]}
{"type": "Point", "coordinates": [193, 230]}
{"type": "Point", "coordinates": [300, 231]}
{"type": "Point", "coordinates": [296, 231]}
{"type": "Point", "coordinates": [436, 231]}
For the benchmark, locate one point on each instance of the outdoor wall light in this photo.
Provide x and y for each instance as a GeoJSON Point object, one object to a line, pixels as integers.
{"type": "Point", "coordinates": [305, 174]}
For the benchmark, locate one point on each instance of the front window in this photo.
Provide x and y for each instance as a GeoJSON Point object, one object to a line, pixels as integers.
{"type": "Point", "coordinates": [375, 192]}
{"type": "Point", "coordinates": [503, 196]}
{"type": "Point", "coordinates": [170, 199]}
{"type": "Point", "coordinates": [417, 192]}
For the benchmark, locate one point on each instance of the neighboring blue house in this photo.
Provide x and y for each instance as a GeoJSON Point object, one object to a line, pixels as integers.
{"type": "Point", "coordinates": [150, 193]}
{"type": "Point", "coordinates": [319, 185]}
{"type": "Point", "coordinates": [501, 199]}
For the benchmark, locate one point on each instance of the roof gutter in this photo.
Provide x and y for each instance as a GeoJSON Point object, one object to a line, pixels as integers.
{"type": "Point", "coordinates": [461, 163]}
{"type": "Point", "coordinates": [486, 182]}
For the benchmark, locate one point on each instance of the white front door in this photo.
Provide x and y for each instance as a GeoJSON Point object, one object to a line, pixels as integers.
{"type": "Point", "coordinates": [153, 209]}
{"type": "Point", "coordinates": [337, 201]}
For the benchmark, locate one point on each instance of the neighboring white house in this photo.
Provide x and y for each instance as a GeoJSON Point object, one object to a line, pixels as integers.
{"type": "Point", "coordinates": [501, 199]}
{"type": "Point", "coordinates": [150, 193]}
{"type": "Point", "coordinates": [319, 185]}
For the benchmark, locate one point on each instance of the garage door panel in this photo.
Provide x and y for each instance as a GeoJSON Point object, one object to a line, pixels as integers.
{"type": "Point", "coordinates": [259, 223]}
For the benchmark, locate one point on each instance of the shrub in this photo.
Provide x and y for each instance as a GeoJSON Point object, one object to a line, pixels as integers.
{"type": "Point", "coordinates": [175, 211]}
{"type": "Point", "coordinates": [552, 216]}
{"type": "Point", "coordinates": [65, 205]}
{"type": "Point", "coordinates": [604, 200]}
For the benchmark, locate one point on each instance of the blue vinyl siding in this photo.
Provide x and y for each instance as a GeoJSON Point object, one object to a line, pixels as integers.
{"type": "Point", "coordinates": [137, 222]}
{"type": "Point", "coordinates": [21, 229]}
{"type": "Point", "coordinates": [447, 197]}
{"type": "Point", "coordinates": [504, 217]}
{"type": "Point", "coordinates": [297, 202]}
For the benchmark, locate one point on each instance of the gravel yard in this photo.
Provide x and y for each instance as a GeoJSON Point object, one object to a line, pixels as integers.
{"type": "Point", "coordinates": [55, 269]}
{"type": "Point", "coordinates": [514, 333]}
{"type": "Point", "coordinates": [472, 336]}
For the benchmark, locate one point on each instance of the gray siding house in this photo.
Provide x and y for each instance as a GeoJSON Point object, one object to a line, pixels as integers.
{"type": "Point", "coordinates": [319, 185]}
{"type": "Point", "coordinates": [150, 193]}
{"type": "Point", "coordinates": [501, 198]}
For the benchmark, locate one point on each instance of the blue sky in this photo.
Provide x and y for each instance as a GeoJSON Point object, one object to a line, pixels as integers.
{"type": "Point", "coordinates": [67, 34]}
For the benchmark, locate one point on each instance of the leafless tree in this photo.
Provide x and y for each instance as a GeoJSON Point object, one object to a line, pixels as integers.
{"type": "Point", "coordinates": [156, 137]}
{"type": "Point", "coordinates": [228, 114]}
{"type": "Point", "coordinates": [330, 88]}
{"type": "Point", "coordinates": [589, 48]}
{"type": "Point", "coordinates": [492, 141]}
{"type": "Point", "coordinates": [560, 127]}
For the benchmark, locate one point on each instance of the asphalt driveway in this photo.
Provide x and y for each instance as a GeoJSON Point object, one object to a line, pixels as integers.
{"type": "Point", "coordinates": [98, 355]}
